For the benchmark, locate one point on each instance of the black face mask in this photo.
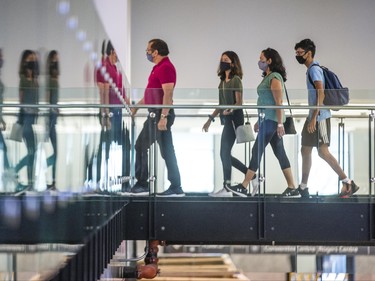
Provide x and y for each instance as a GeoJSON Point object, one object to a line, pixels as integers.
{"type": "Point", "coordinates": [1, 63]}
{"type": "Point", "coordinates": [31, 65]}
{"type": "Point", "coordinates": [224, 66]}
{"type": "Point", "coordinates": [300, 59]}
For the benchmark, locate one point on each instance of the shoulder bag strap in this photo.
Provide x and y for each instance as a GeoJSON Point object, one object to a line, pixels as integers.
{"type": "Point", "coordinates": [287, 98]}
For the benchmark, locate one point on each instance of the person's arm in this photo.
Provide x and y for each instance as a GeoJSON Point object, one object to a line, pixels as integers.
{"type": "Point", "coordinates": [167, 100]}
{"type": "Point", "coordinates": [2, 122]}
{"type": "Point", "coordinates": [239, 99]}
{"type": "Point", "coordinates": [121, 88]}
{"type": "Point", "coordinates": [211, 118]}
{"type": "Point", "coordinates": [134, 110]}
{"type": "Point", "coordinates": [103, 95]}
{"type": "Point", "coordinates": [277, 92]}
{"type": "Point", "coordinates": [123, 94]}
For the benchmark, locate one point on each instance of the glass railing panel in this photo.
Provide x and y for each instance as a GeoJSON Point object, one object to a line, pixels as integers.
{"type": "Point", "coordinates": [83, 146]}
{"type": "Point", "coordinates": [349, 125]}
{"type": "Point", "coordinates": [79, 123]}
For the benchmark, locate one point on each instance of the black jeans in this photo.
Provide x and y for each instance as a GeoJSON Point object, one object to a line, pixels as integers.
{"type": "Point", "coordinates": [116, 125]}
{"type": "Point", "coordinates": [29, 137]}
{"type": "Point", "coordinates": [148, 135]}
{"type": "Point", "coordinates": [228, 138]}
{"type": "Point", "coordinates": [53, 137]}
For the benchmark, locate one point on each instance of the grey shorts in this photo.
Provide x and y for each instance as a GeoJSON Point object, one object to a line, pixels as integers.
{"type": "Point", "coordinates": [321, 136]}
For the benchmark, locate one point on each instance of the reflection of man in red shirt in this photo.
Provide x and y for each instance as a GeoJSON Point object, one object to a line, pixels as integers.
{"type": "Point", "coordinates": [159, 90]}
{"type": "Point", "coordinates": [108, 94]}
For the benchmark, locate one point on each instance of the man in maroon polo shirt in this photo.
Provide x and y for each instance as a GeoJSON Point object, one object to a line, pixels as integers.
{"type": "Point", "coordinates": [159, 91]}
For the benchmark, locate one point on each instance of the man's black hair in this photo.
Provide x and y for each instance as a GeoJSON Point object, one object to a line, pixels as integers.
{"type": "Point", "coordinates": [307, 45]}
{"type": "Point", "coordinates": [160, 46]}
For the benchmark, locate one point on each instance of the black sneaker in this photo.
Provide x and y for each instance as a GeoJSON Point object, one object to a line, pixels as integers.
{"type": "Point", "coordinates": [171, 192]}
{"type": "Point", "coordinates": [125, 187]}
{"type": "Point", "coordinates": [238, 190]}
{"type": "Point", "coordinates": [350, 189]}
{"type": "Point", "coordinates": [290, 192]}
{"type": "Point", "coordinates": [139, 190]}
{"type": "Point", "coordinates": [51, 187]}
{"type": "Point", "coordinates": [304, 192]}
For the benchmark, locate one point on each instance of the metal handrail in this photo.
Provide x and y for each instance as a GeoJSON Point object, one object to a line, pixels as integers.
{"type": "Point", "coordinates": [190, 106]}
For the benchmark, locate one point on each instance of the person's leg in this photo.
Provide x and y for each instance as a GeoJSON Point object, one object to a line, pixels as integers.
{"type": "Point", "coordinates": [348, 187]}
{"type": "Point", "coordinates": [267, 129]}
{"type": "Point", "coordinates": [306, 163]}
{"type": "Point", "coordinates": [277, 145]}
{"type": "Point", "coordinates": [116, 125]}
{"type": "Point", "coordinates": [324, 128]}
{"type": "Point", "coordinates": [167, 151]}
{"type": "Point", "coordinates": [326, 155]}
{"type": "Point", "coordinates": [309, 141]}
{"type": "Point", "coordinates": [53, 137]}
{"type": "Point", "coordinates": [228, 138]}
{"type": "Point", "coordinates": [239, 165]}
{"type": "Point", "coordinates": [4, 148]}
{"type": "Point", "coordinates": [28, 135]}
{"type": "Point", "coordinates": [144, 141]}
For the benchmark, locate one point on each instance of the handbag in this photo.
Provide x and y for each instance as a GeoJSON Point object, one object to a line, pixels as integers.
{"type": "Point", "coordinates": [244, 133]}
{"type": "Point", "coordinates": [16, 132]}
{"type": "Point", "coordinates": [289, 127]}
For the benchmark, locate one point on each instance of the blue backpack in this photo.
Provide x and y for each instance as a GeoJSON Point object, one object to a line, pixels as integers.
{"type": "Point", "coordinates": [334, 92]}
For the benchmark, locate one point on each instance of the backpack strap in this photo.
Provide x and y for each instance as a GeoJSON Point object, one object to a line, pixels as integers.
{"type": "Point", "coordinates": [308, 74]}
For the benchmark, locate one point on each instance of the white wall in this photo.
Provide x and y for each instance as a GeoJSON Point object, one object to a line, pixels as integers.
{"type": "Point", "coordinates": [36, 25]}
{"type": "Point", "coordinates": [199, 31]}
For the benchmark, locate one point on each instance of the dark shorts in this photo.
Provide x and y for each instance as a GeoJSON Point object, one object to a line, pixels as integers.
{"type": "Point", "coordinates": [321, 136]}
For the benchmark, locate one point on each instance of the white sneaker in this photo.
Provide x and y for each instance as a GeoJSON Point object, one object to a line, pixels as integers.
{"type": "Point", "coordinates": [255, 184]}
{"type": "Point", "coordinates": [221, 193]}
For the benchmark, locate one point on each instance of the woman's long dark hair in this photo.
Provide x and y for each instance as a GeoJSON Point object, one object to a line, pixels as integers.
{"type": "Point", "coordinates": [277, 62]}
{"type": "Point", "coordinates": [22, 68]}
{"type": "Point", "coordinates": [236, 68]}
{"type": "Point", "coordinates": [54, 72]}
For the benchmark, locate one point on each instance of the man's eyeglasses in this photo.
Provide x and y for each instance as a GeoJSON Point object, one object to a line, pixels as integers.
{"type": "Point", "coordinates": [149, 51]}
{"type": "Point", "coordinates": [301, 53]}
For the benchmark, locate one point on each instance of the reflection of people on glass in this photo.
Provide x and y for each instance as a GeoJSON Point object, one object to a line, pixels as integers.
{"type": "Point", "coordinates": [2, 122]}
{"type": "Point", "coordinates": [111, 118]}
{"type": "Point", "coordinates": [28, 94]}
{"type": "Point", "coordinates": [52, 87]}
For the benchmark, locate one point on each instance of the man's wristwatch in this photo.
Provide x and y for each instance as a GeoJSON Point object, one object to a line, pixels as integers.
{"type": "Point", "coordinates": [162, 116]}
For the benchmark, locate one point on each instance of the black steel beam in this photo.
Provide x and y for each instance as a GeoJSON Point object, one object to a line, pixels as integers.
{"type": "Point", "coordinates": [192, 220]}
{"type": "Point", "coordinates": [269, 220]}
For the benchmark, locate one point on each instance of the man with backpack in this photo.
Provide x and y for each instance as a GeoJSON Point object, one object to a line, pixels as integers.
{"type": "Point", "coordinates": [316, 131]}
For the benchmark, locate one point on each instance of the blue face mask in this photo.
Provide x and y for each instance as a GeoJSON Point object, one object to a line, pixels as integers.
{"type": "Point", "coordinates": [263, 65]}
{"type": "Point", "coordinates": [149, 57]}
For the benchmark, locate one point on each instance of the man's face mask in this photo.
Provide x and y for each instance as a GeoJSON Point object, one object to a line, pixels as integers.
{"type": "Point", "coordinates": [300, 58]}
